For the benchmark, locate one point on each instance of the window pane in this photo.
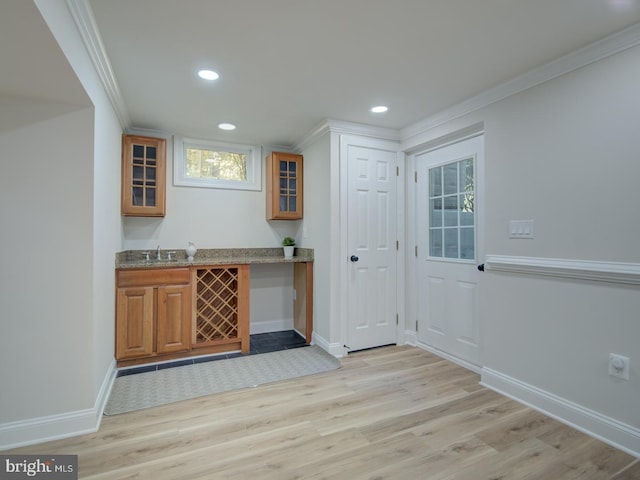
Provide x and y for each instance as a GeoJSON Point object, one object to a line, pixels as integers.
{"type": "Point", "coordinates": [212, 164]}
{"type": "Point", "coordinates": [451, 243]}
{"type": "Point", "coordinates": [435, 218]}
{"type": "Point", "coordinates": [435, 182]}
{"type": "Point", "coordinates": [151, 153]}
{"type": "Point", "coordinates": [292, 204]}
{"type": "Point", "coordinates": [466, 175]}
{"type": "Point", "coordinates": [450, 178]}
{"type": "Point", "coordinates": [466, 210]}
{"type": "Point", "coordinates": [138, 173]}
{"type": "Point", "coordinates": [292, 169]}
{"type": "Point", "coordinates": [451, 211]}
{"type": "Point", "coordinates": [136, 195]}
{"type": "Point", "coordinates": [467, 243]}
{"type": "Point", "coordinates": [284, 207]}
{"type": "Point", "coordinates": [292, 187]}
{"type": "Point", "coordinates": [435, 242]}
{"type": "Point", "coordinates": [138, 151]}
{"type": "Point", "coordinates": [150, 197]}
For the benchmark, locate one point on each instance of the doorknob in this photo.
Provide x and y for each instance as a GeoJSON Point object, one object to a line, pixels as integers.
{"type": "Point", "coordinates": [481, 267]}
{"type": "Point", "coordinates": [354, 258]}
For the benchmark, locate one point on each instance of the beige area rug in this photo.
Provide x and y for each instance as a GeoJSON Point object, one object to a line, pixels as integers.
{"type": "Point", "coordinates": [150, 389]}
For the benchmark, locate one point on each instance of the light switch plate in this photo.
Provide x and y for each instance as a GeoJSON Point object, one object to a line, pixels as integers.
{"type": "Point", "coordinates": [520, 228]}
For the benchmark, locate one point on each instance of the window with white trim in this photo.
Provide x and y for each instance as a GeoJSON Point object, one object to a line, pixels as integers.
{"type": "Point", "coordinates": [210, 164]}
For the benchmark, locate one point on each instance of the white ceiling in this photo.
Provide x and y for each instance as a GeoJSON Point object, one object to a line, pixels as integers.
{"type": "Point", "coordinates": [287, 65]}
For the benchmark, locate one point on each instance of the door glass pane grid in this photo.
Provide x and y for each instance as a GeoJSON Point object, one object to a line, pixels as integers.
{"type": "Point", "coordinates": [288, 186]}
{"type": "Point", "coordinates": [143, 177]}
{"type": "Point", "coordinates": [452, 211]}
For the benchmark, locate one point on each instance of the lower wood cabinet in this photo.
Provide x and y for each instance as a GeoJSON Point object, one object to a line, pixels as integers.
{"type": "Point", "coordinates": [153, 313]}
{"type": "Point", "coordinates": [168, 313]}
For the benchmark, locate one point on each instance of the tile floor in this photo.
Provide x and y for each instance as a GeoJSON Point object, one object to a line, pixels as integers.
{"type": "Point", "coordinates": [259, 343]}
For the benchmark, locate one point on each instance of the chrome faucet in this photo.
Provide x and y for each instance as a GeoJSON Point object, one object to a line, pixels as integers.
{"type": "Point", "coordinates": [158, 256]}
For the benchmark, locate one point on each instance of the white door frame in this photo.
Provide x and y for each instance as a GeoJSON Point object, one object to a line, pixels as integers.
{"type": "Point", "coordinates": [367, 142]}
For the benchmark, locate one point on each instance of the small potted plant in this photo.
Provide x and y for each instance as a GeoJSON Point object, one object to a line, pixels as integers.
{"type": "Point", "coordinates": [287, 244]}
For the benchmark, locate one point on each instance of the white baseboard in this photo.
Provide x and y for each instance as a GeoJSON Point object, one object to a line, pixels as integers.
{"type": "Point", "coordinates": [410, 338]}
{"type": "Point", "coordinates": [608, 430]}
{"type": "Point", "coordinates": [335, 349]}
{"type": "Point", "coordinates": [270, 326]}
{"type": "Point", "coordinates": [64, 425]}
{"type": "Point", "coordinates": [447, 356]}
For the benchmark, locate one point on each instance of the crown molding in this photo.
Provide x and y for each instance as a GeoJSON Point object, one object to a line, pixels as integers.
{"type": "Point", "coordinates": [347, 128]}
{"type": "Point", "coordinates": [85, 22]}
{"type": "Point", "coordinates": [610, 45]}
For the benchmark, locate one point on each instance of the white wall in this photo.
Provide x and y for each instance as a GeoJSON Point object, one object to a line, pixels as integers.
{"type": "Point", "coordinates": [105, 156]}
{"type": "Point", "coordinates": [208, 217]}
{"type": "Point", "coordinates": [220, 218]}
{"type": "Point", "coordinates": [566, 154]}
{"type": "Point", "coordinates": [46, 236]}
{"type": "Point", "coordinates": [316, 228]}
{"type": "Point", "coordinates": [60, 210]}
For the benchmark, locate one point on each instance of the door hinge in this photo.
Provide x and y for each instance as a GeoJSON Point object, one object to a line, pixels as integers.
{"type": "Point", "coordinates": [397, 170]}
{"type": "Point", "coordinates": [416, 250]}
{"type": "Point", "coordinates": [397, 245]}
{"type": "Point", "coordinates": [397, 319]}
{"type": "Point", "coordinates": [415, 176]}
{"type": "Point", "coordinates": [416, 326]}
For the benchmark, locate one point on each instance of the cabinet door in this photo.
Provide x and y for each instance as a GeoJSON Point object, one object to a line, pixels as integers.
{"type": "Point", "coordinates": [143, 176]}
{"type": "Point", "coordinates": [134, 322]}
{"type": "Point", "coordinates": [284, 186]}
{"type": "Point", "coordinates": [173, 317]}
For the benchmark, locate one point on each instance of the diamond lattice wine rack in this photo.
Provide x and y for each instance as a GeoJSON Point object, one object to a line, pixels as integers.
{"type": "Point", "coordinates": [218, 305]}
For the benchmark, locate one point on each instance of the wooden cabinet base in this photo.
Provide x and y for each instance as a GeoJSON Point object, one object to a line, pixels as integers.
{"type": "Point", "coordinates": [214, 349]}
{"type": "Point", "coordinates": [172, 313]}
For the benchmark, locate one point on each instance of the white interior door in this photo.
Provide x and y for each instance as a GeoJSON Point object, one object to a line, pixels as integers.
{"type": "Point", "coordinates": [372, 257]}
{"type": "Point", "coordinates": [449, 229]}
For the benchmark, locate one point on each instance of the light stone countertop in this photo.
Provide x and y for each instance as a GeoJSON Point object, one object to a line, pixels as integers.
{"type": "Point", "coordinates": [130, 259]}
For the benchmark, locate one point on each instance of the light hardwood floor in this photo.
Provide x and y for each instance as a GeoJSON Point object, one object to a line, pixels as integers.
{"type": "Point", "coordinates": [389, 413]}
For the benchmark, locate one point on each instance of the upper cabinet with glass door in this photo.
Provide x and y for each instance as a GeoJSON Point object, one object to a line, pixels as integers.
{"type": "Point", "coordinates": [143, 176]}
{"type": "Point", "coordinates": [284, 186]}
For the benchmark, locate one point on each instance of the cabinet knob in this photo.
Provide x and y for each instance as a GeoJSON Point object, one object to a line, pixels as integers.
{"type": "Point", "coordinates": [354, 258]}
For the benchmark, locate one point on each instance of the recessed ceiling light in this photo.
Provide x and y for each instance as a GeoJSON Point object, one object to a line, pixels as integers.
{"type": "Point", "coordinates": [379, 109]}
{"type": "Point", "coordinates": [226, 126]}
{"type": "Point", "coordinates": [208, 75]}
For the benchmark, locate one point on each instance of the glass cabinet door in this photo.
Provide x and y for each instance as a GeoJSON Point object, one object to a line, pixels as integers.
{"type": "Point", "coordinates": [284, 186]}
{"type": "Point", "coordinates": [143, 176]}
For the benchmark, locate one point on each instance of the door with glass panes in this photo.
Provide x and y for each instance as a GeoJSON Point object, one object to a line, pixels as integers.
{"type": "Point", "coordinates": [449, 230]}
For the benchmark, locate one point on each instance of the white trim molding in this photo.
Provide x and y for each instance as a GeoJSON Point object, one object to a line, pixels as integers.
{"type": "Point", "coordinates": [85, 22]}
{"type": "Point", "coordinates": [63, 425]}
{"type": "Point", "coordinates": [347, 128]}
{"type": "Point", "coordinates": [447, 356]}
{"type": "Point", "coordinates": [606, 429]}
{"type": "Point", "coordinates": [610, 272]}
{"type": "Point", "coordinates": [334, 349]}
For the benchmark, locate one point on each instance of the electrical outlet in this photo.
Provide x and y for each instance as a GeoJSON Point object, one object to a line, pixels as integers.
{"type": "Point", "coordinates": [619, 366]}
